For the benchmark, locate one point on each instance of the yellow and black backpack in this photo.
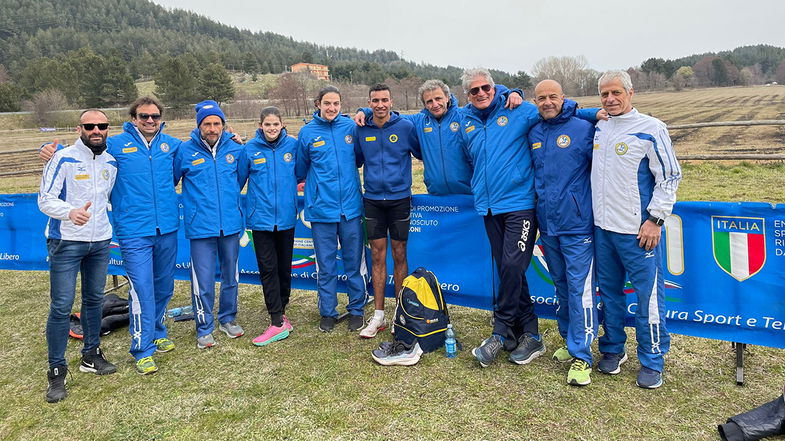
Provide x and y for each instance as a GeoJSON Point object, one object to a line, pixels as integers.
{"type": "Point", "coordinates": [421, 314]}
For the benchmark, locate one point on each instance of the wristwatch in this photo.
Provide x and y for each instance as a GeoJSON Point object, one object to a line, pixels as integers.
{"type": "Point", "coordinates": [657, 220]}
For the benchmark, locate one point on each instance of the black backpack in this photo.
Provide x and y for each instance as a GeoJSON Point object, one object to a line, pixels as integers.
{"type": "Point", "coordinates": [421, 313]}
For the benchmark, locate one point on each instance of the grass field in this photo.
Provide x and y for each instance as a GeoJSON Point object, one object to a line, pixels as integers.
{"type": "Point", "coordinates": [325, 386]}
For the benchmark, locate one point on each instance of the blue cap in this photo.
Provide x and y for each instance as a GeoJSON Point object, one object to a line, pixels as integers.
{"type": "Point", "coordinates": [207, 108]}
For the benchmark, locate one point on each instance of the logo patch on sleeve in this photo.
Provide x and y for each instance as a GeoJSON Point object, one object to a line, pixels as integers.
{"type": "Point", "coordinates": [260, 161]}
{"type": "Point", "coordinates": [198, 161]}
{"type": "Point", "coordinates": [536, 145]}
{"type": "Point", "coordinates": [370, 138]}
{"type": "Point", "coordinates": [469, 129]}
{"type": "Point", "coordinates": [428, 129]}
{"type": "Point", "coordinates": [129, 149]}
{"type": "Point", "coordinates": [318, 143]}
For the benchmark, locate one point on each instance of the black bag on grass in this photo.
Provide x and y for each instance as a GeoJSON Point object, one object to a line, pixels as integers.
{"type": "Point", "coordinates": [421, 313]}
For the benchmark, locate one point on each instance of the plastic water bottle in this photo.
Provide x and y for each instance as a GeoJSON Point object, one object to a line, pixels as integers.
{"type": "Point", "coordinates": [449, 342]}
{"type": "Point", "coordinates": [176, 312]}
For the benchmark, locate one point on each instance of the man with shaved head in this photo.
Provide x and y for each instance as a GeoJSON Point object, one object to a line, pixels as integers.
{"type": "Point", "coordinates": [561, 146]}
{"type": "Point", "coordinates": [74, 193]}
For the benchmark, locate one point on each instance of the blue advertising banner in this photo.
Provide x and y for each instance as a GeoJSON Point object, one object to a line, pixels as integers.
{"type": "Point", "coordinates": [724, 262]}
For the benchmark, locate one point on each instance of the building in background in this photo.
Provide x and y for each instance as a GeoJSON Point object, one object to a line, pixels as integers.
{"type": "Point", "coordinates": [320, 71]}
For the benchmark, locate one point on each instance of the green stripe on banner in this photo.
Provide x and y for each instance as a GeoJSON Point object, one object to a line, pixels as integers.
{"type": "Point", "coordinates": [722, 249]}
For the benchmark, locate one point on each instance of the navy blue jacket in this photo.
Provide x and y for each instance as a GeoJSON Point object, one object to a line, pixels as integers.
{"type": "Point", "coordinates": [272, 186]}
{"type": "Point", "coordinates": [325, 159]}
{"type": "Point", "coordinates": [211, 186]}
{"type": "Point", "coordinates": [562, 150]}
{"type": "Point", "coordinates": [384, 153]}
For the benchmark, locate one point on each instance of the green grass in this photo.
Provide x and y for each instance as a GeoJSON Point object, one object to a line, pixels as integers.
{"type": "Point", "coordinates": [325, 386]}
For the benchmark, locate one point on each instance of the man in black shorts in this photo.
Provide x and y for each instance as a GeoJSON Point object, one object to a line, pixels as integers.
{"type": "Point", "coordinates": [384, 148]}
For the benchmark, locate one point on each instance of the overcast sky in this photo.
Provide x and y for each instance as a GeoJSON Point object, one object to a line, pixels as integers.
{"type": "Point", "coordinates": [512, 35]}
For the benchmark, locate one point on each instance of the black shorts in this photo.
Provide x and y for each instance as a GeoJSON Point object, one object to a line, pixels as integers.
{"type": "Point", "coordinates": [384, 216]}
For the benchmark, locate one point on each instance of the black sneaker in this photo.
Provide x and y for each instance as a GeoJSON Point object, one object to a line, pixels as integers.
{"type": "Point", "coordinates": [95, 363]}
{"type": "Point", "coordinates": [528, 349]}
{"type": "Point", "coordinates": [488, 350]}
{"type": "Point", "coordinates": [611, 363]}
{"type": "Point", "coordinates": [327, 324]}
{"type": "Point", "coordinates": [56, 390]}
{"type": "Point", "coordinates": [356, 322]}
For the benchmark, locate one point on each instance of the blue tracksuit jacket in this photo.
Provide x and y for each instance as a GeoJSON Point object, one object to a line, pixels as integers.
{"type": "Point", "coordinates": [272, 185]}
{"type": "Point", "coordinates": [211, 186]}
{"type": "Point", "coordinates": [502, 181]}
{"type": "Point", "coordinates": [384, 153]}
{"type": "Point", "coordinates": [144, 201]}
{"type": "Point", "coordinates": [561, 148]}
{"type": "Point", "coordinates": [325, 159]}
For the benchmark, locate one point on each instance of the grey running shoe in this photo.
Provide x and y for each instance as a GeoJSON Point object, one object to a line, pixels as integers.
{"type": "Point", "coordinates": [398, 354]}
{"type": "Point", "coordinates": [488, 350]}
{"type": "Point", "coordinates": [94, 362]}
{"type": "Point", "coordinates": [232, 329]}
{"type": "Point", "coordinates": [528, 349]}
{"type": "Point", "coordinates": [205, 341]}
{"type": "Point", "coordinates": [56, 390]}
{"type": "Point", "coordinates": [649, 378]}
{"type": "Point", "coordinates": [327, 324]}
{"type": "Point", "coordinates": [611, 363]}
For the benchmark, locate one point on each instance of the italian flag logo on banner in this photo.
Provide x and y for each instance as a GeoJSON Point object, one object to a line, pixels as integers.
{"type": "Point", "coordinates": [739, 245]}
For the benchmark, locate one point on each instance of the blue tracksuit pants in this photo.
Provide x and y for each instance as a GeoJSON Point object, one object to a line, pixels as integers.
{"type": "Point", "coordinates": [204, 253]}
{"type": "Point", "coordinates": [570, 260]}
{"type": "Point", "coordinates": [511, 236]}
{"type": "Point", "coordinates": [149, 264]}
{"type": "Point", "coordinates": [619, 257]}
{"type": "Point", "coordinates": [325, 242]}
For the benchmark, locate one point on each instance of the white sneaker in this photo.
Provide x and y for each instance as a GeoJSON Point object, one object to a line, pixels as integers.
{"type": "Point", "coordinates": [374, 325]}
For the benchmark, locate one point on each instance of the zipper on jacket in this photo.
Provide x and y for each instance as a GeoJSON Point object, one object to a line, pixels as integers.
{"type": "Point", "coordinates": [275, 187]}
{"type": "Point", "coordinates": [485, 154]}
{"type": "Point", "coordinates": [95, 192]}
{"type": "Point", "coordinates": [338, 167]}
{"type": "Point", "coordinates": [152, 177]}
{"type": "Point", "coordinates": [444, 164]}
{"type": "Point", "coordinates": [218, 189]}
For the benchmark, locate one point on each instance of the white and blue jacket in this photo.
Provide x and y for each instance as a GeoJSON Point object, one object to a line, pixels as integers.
{"type": "Point", "coordinates": [325, 159]}
{"type": "Point", "coordinates": [144, 201]}
{"type": "Point", "coordinates": [634, 172]}
{"type": "Point", "coordinates": [73, 177]}
{"type": "Point", "coordinates": [385, 154]}
{"type": "Point", "coordinates": [272, 185]}
{"type": "Point", "coordinates": [561, 149]}
{"type": "Point", "coordinates": [211, 186]}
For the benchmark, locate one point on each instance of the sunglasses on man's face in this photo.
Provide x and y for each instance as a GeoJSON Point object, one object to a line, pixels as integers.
{"type": "Point", "coordinates": [475, 90]}
{"type": "Point", "coordinates": [90, 126]}
{"type": "Point", "coordinates": [146, 116]}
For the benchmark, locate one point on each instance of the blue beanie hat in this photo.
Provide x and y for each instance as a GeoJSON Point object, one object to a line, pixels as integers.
{"type": "Point", "coordinates": [207, 108]}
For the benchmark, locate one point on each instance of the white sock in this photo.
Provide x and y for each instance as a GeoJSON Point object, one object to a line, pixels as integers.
{"type": "Point", "coordinates": [378, 314]}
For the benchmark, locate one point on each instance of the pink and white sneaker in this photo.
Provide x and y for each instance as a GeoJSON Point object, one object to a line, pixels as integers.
{"type": "Point", "coordinates": [271, 334]}
{"type": "Point", "coordinates": [287, 324]}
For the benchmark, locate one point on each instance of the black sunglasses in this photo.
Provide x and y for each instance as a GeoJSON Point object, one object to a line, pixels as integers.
{"type": "Point", "coordinates": [145, 116]}
{"type": "Point", "coordinates": [91, 126]}
{"type": "Point", "coordinates": [475, 90]}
